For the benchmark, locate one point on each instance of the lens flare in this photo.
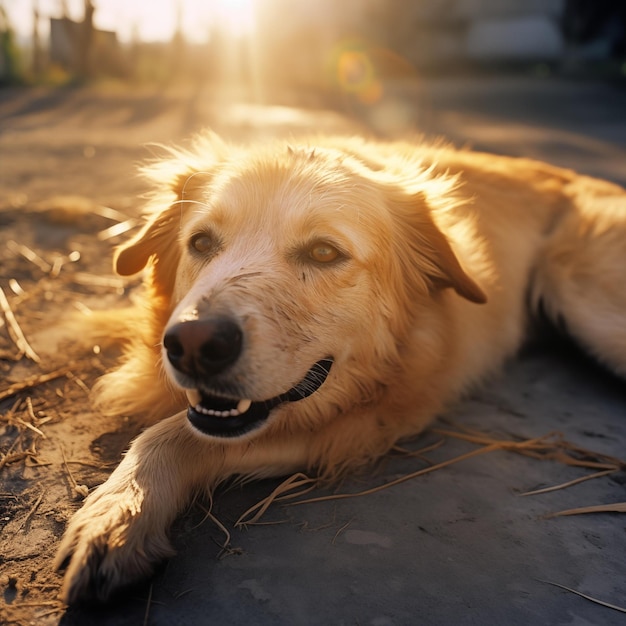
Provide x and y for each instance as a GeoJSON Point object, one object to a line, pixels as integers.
{"type": "Point", "coordinates": [353, 72]}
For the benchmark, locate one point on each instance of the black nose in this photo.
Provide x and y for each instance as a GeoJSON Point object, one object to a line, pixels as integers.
{"type": "Point", "coordinates": [203, 347]}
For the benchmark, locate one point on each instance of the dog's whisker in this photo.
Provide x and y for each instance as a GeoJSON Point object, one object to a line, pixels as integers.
{"type": "Point", "coordinates": [186, 201]}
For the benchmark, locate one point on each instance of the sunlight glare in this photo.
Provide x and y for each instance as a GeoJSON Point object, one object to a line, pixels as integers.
{"type": "Point", "coordinates": [197, 17]}
{"type": "Point", "coordinates": [236, 16]}
{"type": "Point", "coordinates": [149, 21]}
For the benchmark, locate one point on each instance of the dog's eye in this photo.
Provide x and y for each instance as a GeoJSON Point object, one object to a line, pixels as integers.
{"type": "Point", "coordinates": [202, 243]}
{"type": "Point", "coordinates": [322, 252]}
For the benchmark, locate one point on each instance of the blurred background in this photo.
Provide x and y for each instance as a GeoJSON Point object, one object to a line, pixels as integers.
{"type": "Point", "coordinates": [86, 83]}
{"type": "Point", "coordinates": [273, 48]}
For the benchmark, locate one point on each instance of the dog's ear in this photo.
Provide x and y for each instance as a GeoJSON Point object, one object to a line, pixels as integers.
{"type": "Point", "coordinates": [412, 195]}
{"type": "Point", "coordinates": [178, 182]}
{"type": "Point", "coordinates": [132, 256]}
{"type": "Point", "coordinates": [446, 270]}
{"type": "Point", "coordinates": [430, 249]}
{"type": "Point", "coordinates": [158, 237]}
{"type": "Point", "coordinates": [157, 245]}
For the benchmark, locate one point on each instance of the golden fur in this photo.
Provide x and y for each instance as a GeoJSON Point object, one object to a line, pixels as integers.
{"type": "Point", "coordinates": [436, 260]}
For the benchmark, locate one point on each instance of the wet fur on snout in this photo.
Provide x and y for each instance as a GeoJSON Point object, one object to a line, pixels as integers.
{"type": "Point", "coordinates": [442, 258]}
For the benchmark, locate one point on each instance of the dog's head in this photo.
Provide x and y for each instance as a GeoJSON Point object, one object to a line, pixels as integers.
{"type": "Point", "coordinates": [290, 278]}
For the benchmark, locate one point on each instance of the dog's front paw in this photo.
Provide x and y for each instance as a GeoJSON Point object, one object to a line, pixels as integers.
{"type": "Point", "coordinates": [110, 543]}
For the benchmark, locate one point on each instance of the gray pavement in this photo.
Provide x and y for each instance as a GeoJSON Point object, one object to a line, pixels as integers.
{"type": "Point", "coordinates": [460, 545]}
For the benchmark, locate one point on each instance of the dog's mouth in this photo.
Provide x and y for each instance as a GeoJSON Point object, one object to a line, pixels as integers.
{"type": "Point", "coordinates": [232, 417]}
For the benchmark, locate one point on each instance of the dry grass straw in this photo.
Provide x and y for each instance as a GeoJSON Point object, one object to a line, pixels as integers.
{"type": "Point", "coordinates": [225, 547]}
{"type": "Point", "coordinates": [78, 490]}
{"type": "Point", "coordinates": [586, 597]}
{"type": "Point", "coordinates": [34, 381]}
{"type": "Point", "coordinates": [29, 255]}
{"type": "Point", "coordinates": [22, 416]}
{"type": "Point", "coordinates": [53, 607]}
{"type": "Point", "coordinates": [31, 513]}
{"type": "Point", "coordinates": [616, 507]}
{"type": "Point", "coordinates": [146, 615]}
{"type": "Point", "coordinates": [569, 483]}
{"type": "Point", "coordinates": [15, 332]}
{"type": "Point", "coordinates": [22, 446]}
{"type": "Point", "coordinates": [552, 446]}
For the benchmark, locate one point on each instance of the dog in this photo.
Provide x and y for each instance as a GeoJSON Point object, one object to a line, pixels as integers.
{"type": "Point", "coordinates": [309, 303]}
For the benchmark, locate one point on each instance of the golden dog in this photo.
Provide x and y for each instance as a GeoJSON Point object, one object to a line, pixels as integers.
{"type": "Point", "coordinates": [309, 304]}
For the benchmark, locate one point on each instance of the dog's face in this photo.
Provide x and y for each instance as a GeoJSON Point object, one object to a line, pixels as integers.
{"type": "Point", "coordinates": [292, 278]}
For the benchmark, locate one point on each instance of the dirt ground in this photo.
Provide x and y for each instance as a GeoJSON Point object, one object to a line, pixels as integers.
{"type": "Point", "coordinates": [68, 193]}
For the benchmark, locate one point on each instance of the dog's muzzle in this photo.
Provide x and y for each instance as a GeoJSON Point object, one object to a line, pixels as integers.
{"type": "Point", "coordinates": [202, 349]}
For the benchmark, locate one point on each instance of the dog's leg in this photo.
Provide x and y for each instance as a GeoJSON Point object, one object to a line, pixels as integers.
{"type": "Point", "coordinates": [580, 280]}
{"type": "Point", "coordinates": [120, 534]}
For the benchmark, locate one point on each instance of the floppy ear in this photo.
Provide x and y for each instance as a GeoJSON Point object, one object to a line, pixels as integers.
{"type": "Point", "coordinates": [179, 180]}
{"type": "Point", "coordinates": [158, 239]}
{"type": "Point", "coordinates": [412, 193]}
{"type": "Point", "coordinates": [446, 270]}
{"type": "Point", "coordinates": [430, 249]}
{"type": "Point", "coordinates": [156, 245]}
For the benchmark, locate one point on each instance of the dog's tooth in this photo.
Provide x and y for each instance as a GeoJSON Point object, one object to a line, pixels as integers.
{"type": "Point", "coordinates": [193, 396]}
{"type": "Point", "coordinates": [243, 405]}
